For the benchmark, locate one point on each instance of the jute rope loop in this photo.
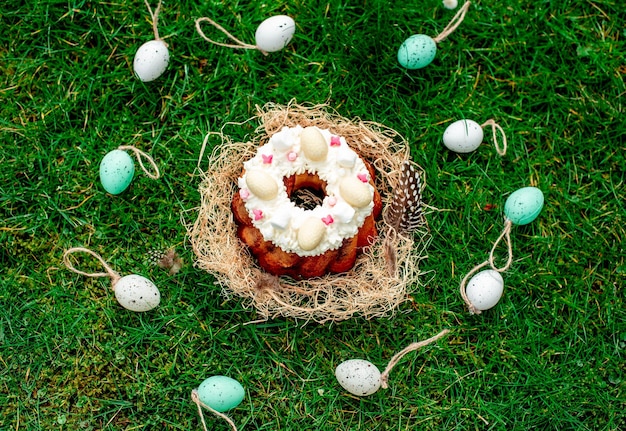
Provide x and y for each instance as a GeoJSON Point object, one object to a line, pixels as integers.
{"type": "Point", "coordinates": [456, 20]}
{"type": "Point", "coordinates": [115, 277]}
{"type": "Point", "coordinates": [196, 399]}
{"type": "Point", "coordinates": [140, 154]}
{"type": "Point", "coordinates": [384, 377]}
{"type": "Point", "coordinates": [506, 236]}
{"type": "Point", "coordinates": [155, 18]}
{"type": "Point", "coordinates": [494, 128]}
{"type": "Point", "coordinates": [239, 43]}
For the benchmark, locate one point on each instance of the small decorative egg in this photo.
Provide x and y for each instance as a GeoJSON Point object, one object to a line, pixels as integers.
{"type": "Point", "coordinates": [313, 144]}
{"type": "Point", "coordinates": [116, 171]}
{"type": "Point", "coordinates": [358, 376]}
{"type": "Point", "coordinates": [524, 205]}
{"type": "Point", "coordinates": [137, 293]}
{"type": "Point", "coordinates": [355, 192]}
{"type": "Point", "coordinates": [151, 60]}
{"type": "Point", "coordinates": [450, 4]}
{"type": "Point", "coordinates": [275, 33]}
{"type": "Point", "coordinates": [417, 51]}
{"type": "Point", "coordinates": [262, 185]}
{"type": "Point", "coordinates": [221, 393]}
{"type": "Point", "coordinates": [484, 289]}
{"type": "Point", "coordinates": [463, 136]}
{"type": "Point", "coordinates": [311, 233]}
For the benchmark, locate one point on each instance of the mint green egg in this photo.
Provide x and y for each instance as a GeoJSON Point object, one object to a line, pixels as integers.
{"type": "Point", "coordinates": [417, 51]}
{"type": "Point", "coordinates": [524, 205]}
{"type": "Point", "coordinates": [221, 393]}
{"type": "Point", "coordinates": [116, 171]}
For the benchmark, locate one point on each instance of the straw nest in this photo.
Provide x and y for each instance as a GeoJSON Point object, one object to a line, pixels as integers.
{"type": "Point", "coordinates": [377, 284]}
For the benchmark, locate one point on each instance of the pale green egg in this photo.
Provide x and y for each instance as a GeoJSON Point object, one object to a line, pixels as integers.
{"type": "Point", "coordinates": [116, 171]}
{"type": "Point", "coordinates": [221, 393]}
{"type": "Point", "coordinates": [417, 51]}
{"type": "Point", "coordinates": [524, 205]}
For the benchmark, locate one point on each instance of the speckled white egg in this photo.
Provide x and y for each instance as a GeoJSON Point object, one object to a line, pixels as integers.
{"type": "Point", "coordinates": [358, 376]}
{"type": "Point", "coordinates": [275, 33]}
{"type": "Point", "coordinates": [463, 136]}
{"type": "Point", "coordinates": [137, 293]}
{"type": "Point", "coordinates": [151, 60]}
{"type": "Point", "coordinates": [450, 4]}
{"type": "Point", "coordinates": [484, 289]}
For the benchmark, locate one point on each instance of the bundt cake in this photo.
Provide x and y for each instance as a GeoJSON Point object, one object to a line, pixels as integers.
{"type": "Point", "coordinates": [306, 203]}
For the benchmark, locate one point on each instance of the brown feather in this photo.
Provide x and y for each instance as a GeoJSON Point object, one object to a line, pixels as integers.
{"type": "Point", "coordinates": [405, 213]}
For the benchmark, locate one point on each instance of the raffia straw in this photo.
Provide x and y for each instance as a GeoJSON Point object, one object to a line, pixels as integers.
{"type": "Point", "coordinates": [196, 399]}
{"type": "Point", "coordinates": [109, 271]}
{"type": "Point", "coordinates": [240, 44]}
{"type": "Point", "coordinates": [155, 18]}
{"type": "Point", "coordinates": [384, 377]}
{"type": "Point", "coordinates": [494, 128]}
{"type": "Point", "coordinates": [140, 154]}
{"type": "Point", "coordinates": [506, 236]}
{"type": "Point", "coordinates": [456, 20]}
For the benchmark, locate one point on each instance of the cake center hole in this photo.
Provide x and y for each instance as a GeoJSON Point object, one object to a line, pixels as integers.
{"type": "Point", "coordinates": [307, 198]}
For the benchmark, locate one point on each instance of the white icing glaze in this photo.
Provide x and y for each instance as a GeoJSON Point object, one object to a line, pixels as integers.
{"type": "Point", "coordinates": [281, 218]}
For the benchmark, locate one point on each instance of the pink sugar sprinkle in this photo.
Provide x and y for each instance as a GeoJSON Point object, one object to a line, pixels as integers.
{"type": "Point", "coordinates": [332, 201]}
{"type": "Point", "coordinates": [328, 220]}
{"type": "Point", "coordinates": [335, 141]}
{"type": "Point", "coordinates": [292, 156]}
{"type": "Point", "coordinates": [267, 159]}
{"type": "Point", "coordinates": [244, 193]}
{"type": "Point", "coordinates": [258, 214]}
{"type": "Point", "coordinates": [363, 177]}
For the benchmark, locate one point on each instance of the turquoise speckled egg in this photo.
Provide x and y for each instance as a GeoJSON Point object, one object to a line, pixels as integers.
{"type": "Point", "coordinates": [221, 393]}
{"type": "Point", "coordinates": [116, 171]}
{"type": "Point", "coordinates": [524, 205]}
{"type": "Point", "coordinates": [417, 51]}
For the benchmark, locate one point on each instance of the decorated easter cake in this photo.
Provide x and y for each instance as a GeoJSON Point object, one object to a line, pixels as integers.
{"type": "Point", "coordinates": [306, 203]}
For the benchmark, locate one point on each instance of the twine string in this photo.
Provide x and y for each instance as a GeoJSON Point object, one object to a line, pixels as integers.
{"type": "Point", "coordinates": [472, 309]}
{"type": "Point", "coordinates": [456, 20]}
{"type": "Point", "coordinates": [384, 377]}
{"type": "Point", "coordinates": [196, 399]}
{"type": "Point", "coordinates": [495, 127]}
{"type": "Point", "coordinates": [239, 43]}
{"type": "Point", "coordinates": [155, 18]}
{"type": "Point", "coordinates": [109, 271]}
{"type": "Point", "coordinates": [506, 236]}
{"type": "Point", "coordinates": [140, 154]}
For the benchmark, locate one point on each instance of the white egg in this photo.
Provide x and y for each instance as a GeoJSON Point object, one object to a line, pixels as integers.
{"type": "Point", "coordinates": [484, 289]}
{"type": "Point", "coordinates": [275, 33]}
{"type": "Point", "coordinates": [450, 4]}
{"type": "Point", "coordinates": [358, 376]}
{"type": "Point", "coordinates": [463, 136]}
{"type": "Point", "coordinates": [137, 293]}
{"type": "Point", "coordinates": [151, 60]}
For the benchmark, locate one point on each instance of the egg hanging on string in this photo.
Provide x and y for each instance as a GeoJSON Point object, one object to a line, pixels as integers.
{"type": "Point", "coordinates": [137, 293]}
{"type": "Point", "coordinates": [524, 205]}
{"type": "Point", "coordinates": [463, 136]}
{"type": "Point", "coordinates": [417, 51]}
{"type": "Point", "coordinates": [116, 171]}
{"type": "Point", "coordinates": [151, 60]}
{"type": "Point", "coordinates": [358, 376]}
{"type": "Point", "coordinates": [485, 289]}
{"type": "Point", "coordinates": [221, 393]}
{"type": "Point", "coordinates": [275, 33]}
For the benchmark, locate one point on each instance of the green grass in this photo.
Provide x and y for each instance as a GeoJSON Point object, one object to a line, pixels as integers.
{"type": "Point", "coordinates": [550, 356]}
